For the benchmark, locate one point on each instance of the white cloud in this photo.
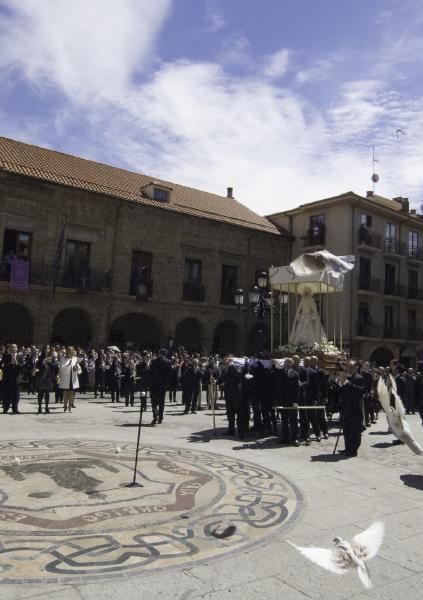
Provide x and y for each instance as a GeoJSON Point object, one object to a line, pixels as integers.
{"type": "Point", "coordinates": [214, 16]}
{"type": "Point", "coordinates": [198, 123]}
{"type": "Point", "coordinates": [276, 64]}
{"type": "Point", "coordinates": [87, 49]}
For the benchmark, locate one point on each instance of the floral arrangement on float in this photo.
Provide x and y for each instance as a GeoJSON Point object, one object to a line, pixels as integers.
{"type": "Point", "coordinates": [326, 351]}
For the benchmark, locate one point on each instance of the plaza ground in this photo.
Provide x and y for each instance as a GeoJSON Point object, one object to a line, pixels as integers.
{"type": "Point", "coordinates": [337, 497]}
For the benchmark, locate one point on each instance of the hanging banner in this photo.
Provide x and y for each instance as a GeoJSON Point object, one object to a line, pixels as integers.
{"type": "Point", "coordinates": [19, 274]}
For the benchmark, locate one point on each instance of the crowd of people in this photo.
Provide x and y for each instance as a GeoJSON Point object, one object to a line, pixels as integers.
{"type": "Point", "coordinates": [293, 398]}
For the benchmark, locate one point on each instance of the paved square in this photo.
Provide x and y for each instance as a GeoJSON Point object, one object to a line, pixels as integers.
{"type": "Point", "coordinates": [213, 516]}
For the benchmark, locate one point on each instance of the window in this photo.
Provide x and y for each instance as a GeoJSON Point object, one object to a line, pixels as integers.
{"type": "Point", "coordinates": [140, 283]}
{"type": "Point", "coordinates": [365, 273]}
{"type": "Point", "coordinates": [389, 320]}
{"type": "Point", "coordinates": [412, 283]}
{"type": "Point", "coordinates": [366, 220]}
{"type": "Point", "coordinates": [76, 269]}
{"type": "Point", "coordinates": [411, 322]}
{"type": "Point", "coordinates": [390, 237]}
{"type": "Point", "coordinates": [161, 194]}
{"type": "Point", "coordinates": [192, 288]}
{"type": "Point", "coordinates": [363, 318]}
{"type": "Point", "coordinates": [228, 284]}
{"type": "Point", "coordinates": [18, 243]}
{"type": "Point", "coordinates": [389, 279]}
{"type": "Point", "coordinates": [316, 232]}
{"type": "Point", "coordinates": [413, 243]}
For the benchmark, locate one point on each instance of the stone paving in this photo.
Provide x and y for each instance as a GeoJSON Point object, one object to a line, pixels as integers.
{"type": "Point", "coordinates": [214, 514]}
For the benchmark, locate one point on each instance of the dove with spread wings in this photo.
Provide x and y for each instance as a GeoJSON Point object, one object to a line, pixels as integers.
{"type": "Point", "coordinates": [349, 555]}
{"type": "Point", "coordinates": [396, 414]}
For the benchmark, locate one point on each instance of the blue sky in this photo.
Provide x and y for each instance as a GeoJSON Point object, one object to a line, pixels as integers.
{"type": "Point", "coordinates": [280, 99]}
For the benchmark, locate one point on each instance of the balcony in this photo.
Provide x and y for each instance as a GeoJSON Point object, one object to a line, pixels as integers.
{"type": "Point", "coordinates": [367, 329]}
{"type": "Point", "coordinates": [414, 254]}
{"type": "Point", "coordinates": [394, 246]}
{"type": "Point", "coordinates": [414, 293]}
{"type": "Point", "coordinates": [415, 334]}
{"type": "Point", "coordinates": [313, 239]}
{"type": "Point", "coordinates": [367, 237]}
{"type": "Point", "coordinates": [394, 333]}
{"type": "Point", "coordinates": [393, 289]}
{"type": "Point", "coordinates": [193, 292]}
{"type": "Point", "coordinates": [369, 284]}
{"type": "Point", "coordinates": [48, 275]}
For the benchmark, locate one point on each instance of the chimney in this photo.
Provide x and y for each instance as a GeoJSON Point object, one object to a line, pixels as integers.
{"type": "Point", "coordinates": [229, 192]}
{"type": "Point", "coordinates": [413, 211]}
{"type": "Point", "coordinates": [405, 205]}
{"type": "Point", "coordinates": [369, 194]}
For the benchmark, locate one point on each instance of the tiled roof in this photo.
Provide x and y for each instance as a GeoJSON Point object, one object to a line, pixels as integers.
{"type": "Point", "coordinates": [64, 169]}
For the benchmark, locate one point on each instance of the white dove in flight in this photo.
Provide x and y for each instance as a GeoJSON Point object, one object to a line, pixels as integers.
{"type": "Point", "coordinates": [346, 555]}
{"type": "Point", "coordinates": [396, 414]}
{"type": "Point", "coordinates": [16, 460]}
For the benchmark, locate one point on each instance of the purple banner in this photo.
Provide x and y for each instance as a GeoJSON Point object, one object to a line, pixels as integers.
{"type": "Point", "coordinates": [19, 274]}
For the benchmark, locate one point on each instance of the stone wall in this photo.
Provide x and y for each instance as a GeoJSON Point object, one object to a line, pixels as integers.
{"type": "Point", "coordinates": [114, 229]}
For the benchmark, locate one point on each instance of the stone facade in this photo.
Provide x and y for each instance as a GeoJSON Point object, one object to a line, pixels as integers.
{"type": "Point", "coordinates": [113, 228]}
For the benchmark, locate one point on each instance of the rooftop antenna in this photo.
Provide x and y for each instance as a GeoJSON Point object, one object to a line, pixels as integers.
{"type": "Point", "coordinates": [375, 176]}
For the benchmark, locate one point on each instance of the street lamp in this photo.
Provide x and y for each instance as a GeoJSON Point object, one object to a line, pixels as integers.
{"type": "Point", "coordinates": [259, 300]}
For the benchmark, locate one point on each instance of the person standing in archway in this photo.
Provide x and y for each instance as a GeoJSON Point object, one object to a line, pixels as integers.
{"type": "Point", "coordinates": [69, 370]}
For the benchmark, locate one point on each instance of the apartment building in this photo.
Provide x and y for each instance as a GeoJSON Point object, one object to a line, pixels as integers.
{"type": "Point", "coordinates": [381, 308]}
{"type": "Point", "coordinates": [108, 255]}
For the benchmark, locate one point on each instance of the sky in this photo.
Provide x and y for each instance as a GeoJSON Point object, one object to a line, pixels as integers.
{"type": "Point", "coordinates": [283, 100]}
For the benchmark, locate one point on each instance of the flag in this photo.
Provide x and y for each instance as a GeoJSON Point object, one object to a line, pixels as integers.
{"type": "Point", "coordinates": [59, 256]}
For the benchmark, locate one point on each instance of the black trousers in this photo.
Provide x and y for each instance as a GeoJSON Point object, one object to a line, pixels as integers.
{"type": "Point", "coordinates": [352, 433]}
{"type": "Point", "coordinates": [191, 399]}
{"type": "Point", "coordinates": [157, 402]}
{"type": "Point", "coordinates": [11, 395]}
{"type": "Point", "coordinates": [115, 389]}
{"type": "Point", "coordinates": [289, 431]}
{"type": "Point", "coordinates": [43, 395]}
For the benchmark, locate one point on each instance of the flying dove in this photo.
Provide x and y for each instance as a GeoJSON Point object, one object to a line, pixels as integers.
{"type": "Point", "coordinates": [396, 414]}
{"type": "Point", "coordinates": [346, 555]}
{"type": "Point", "coordinates": [16, 460]}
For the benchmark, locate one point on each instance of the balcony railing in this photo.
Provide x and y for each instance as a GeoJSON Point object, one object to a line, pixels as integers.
{"type": "Point", "coordinates": [369, 284]}
{"type": "Point", "coordinates": [313, 239]}
{"type": "Point", "coordinates": [366, 329]}
{"type": "Point", "coordinates": [414, 334]}
{"type": "Point", "coordinates": [414, 253]}
{"type": "Point", "coordinates": [193, 292]}
{"type": "Point", "coordinates": [369, 237]}
{"type": "Point", "coordinates": [394, 246]}
{"type": "Point", "coordinates": [393, 289]}
{"type": "Point", "coordinates": [395, 333]}
{"type": "Point", "coordinates": [414, 293]}
{"type": "Point", "coordinates": [49, 275]}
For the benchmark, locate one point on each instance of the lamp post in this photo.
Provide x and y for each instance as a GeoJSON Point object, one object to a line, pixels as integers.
{"type": "Point", "coordinates": [259, 301]}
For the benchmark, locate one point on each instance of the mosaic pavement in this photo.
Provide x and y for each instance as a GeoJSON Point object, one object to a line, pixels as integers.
{"type": "Point", "coordinates": [67, 515]}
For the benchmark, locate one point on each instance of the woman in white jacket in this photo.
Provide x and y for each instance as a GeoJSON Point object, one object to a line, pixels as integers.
{"type": "Point", "coordinates": [69, 370]}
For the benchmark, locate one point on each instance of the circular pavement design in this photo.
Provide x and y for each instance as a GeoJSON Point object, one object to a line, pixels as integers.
{"type": "Point", "coordinates": [67, 515]}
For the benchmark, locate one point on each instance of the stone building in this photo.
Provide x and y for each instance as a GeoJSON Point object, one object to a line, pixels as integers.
{"type": "Point", "coordinates": [382, 307]}
{"type": "Point", "coordinates": [118, 257]}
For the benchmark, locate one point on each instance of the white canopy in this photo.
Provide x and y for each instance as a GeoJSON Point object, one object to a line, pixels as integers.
{"type": "Point", "coordinates": [312, 273]}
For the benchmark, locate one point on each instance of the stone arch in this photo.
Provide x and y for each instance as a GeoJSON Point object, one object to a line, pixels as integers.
{"type": "Point", "coordinates": [16, 323]}
{"type": "Point", "coordinates": [189, 334]}
{"type": "Point", "coordinates": [381, 356]}
{"type": "Point", "coordinates": [136, 329]}
{"type": "Point", "coordinates": [258, 338]}
{"type": "Point", "coordinates": [226, 338]}
{"type": "Point", "coordinates": [72, 326]}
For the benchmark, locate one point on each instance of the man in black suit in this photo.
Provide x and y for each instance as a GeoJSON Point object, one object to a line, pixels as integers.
{"type": "Point", "coordinates": [290, 398]}
{"type": "Point", "coordinates": [12, 369]}
{"type": "Point", "coordinates": [160, 374]}
{"type": "Point", "coordinates": [351, 394]}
